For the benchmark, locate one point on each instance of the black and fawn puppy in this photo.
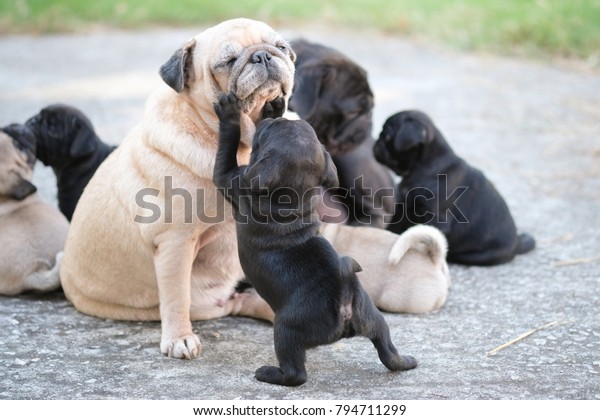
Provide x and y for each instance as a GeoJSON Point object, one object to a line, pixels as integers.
{"type": "Point", "coordinates": [314, 293]}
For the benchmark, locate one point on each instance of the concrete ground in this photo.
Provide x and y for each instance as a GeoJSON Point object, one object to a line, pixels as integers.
{"type": "Point", "coordinates": [533, 128]}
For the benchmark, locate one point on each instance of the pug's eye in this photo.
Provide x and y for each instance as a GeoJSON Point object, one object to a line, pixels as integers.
{"type": "Point", "coordinates": [231, 61]}
{"type": "Point", "coordinates": [282, 47]}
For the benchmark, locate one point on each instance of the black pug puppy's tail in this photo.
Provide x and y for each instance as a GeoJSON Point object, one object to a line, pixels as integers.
{"type": "Point", "coordinates": [349, 266]}
{"type": "Point", "coordinates": [525, 243]}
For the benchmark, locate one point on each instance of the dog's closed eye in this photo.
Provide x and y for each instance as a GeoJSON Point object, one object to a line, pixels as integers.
{"type": "Point", "coordinates": [230, 62]}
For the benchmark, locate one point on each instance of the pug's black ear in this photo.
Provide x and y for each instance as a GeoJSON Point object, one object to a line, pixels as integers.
{"type": "Point", "coordinates": [411, 134]}
{"type": "Point", "coordinates": [22, 190]}
{"type": "Point", "coordinates": [330, 176]}
{"type": "Point", "coordinates": [263, 177]}
{"type": "Point", "coordinates": [84, 144]}
{"type": "Point", "coordinates": [178, 71]}
{"type": "Point", "coordinates": [307, 89]}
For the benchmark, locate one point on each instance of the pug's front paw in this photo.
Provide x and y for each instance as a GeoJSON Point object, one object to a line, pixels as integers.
{"type": "Point", "coordinates": [186, 347]}
{"type": "Point", "coordinates": [228, 108]}
{"type": "Point", "coordinates": [274, 109]}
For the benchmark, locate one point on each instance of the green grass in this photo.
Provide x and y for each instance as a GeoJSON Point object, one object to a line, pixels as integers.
{"type": "Point", "coordinates": [569, 28]}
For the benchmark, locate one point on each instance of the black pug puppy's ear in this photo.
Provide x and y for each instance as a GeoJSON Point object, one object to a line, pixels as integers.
{"type": "Point", "coordinates": [403, 139]}
{"type": "Point", "coordinates": [85, 141]}
{"type": "Point", "coordinates": [330, 176]}
{"type": "Point", "coordinates": [411, 133]}
{"type": "Point", "coordinates": [307, 89]}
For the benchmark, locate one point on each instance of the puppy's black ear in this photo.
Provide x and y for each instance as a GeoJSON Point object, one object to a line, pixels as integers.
{"type": "Point", "coordinates": [263, 176]}
{"type": "Point", "coordinates": [178, 71]}
{"type": "Point", "coordinates": [411, 134]}
{"type": "Point", "coordinates": [22, 190]}
{"type": "Point", "coordinates": [307, 89]}
{"type": "Point", "coordinates": [84, 144]}
{"type": "Point", "coordinates": [330, 176]}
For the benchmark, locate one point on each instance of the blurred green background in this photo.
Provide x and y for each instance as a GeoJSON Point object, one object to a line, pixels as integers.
{"type": "Point", "coordinates": [534, 28]}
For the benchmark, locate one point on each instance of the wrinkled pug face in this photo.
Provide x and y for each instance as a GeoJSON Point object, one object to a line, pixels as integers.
{"type": "Point", "coordinates": [241, 56]}
{"type": "Point", "coordinates": [15, 170]}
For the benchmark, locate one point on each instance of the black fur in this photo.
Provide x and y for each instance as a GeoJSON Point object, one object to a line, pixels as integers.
{"type": "Point", "coordinates": [461, 202]}
{"type": "Point", "coordinates": [315, 294]}
{"type": "Point", "coordinates": [66, 141]}
{"type": "Point", "coordinates": [332, 93]}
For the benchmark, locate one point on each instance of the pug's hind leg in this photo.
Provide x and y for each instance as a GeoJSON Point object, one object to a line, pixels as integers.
{"type": "Point", "coordinates": [291, 354]}
{"type": "Point", "coordinates": [372, 325]}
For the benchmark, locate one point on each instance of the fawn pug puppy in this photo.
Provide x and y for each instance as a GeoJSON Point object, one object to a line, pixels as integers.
{"type": "Point", "coordinates": [32, 232]}
{"type": "Point", "coordinates": [315, 294]}
{"type": "Point", "coordinates": [404, 273]}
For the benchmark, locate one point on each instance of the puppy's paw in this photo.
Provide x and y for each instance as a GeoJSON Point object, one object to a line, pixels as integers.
{"type": "Point", "coordinates": [274, 375]}
{"type": "Point", "coordinates": [186, 347]}
{"type": "Point", "coordinates": [228, 108]}
{"type": "Point", "coordinates": [399, 362]}
{"type": "Point", "coordinates": [274, 109]}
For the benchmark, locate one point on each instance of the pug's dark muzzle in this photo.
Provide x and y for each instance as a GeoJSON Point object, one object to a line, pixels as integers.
{"type": "Point", "coordinates": [24, 139]}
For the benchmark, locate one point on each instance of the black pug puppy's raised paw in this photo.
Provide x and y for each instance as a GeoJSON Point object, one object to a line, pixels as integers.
{"type": "Point", "coordinates": [315, 294]}
{"type": "Point", "coordinates": [67, 142]}
{"type": "Point", "coordinates": [439, 188]}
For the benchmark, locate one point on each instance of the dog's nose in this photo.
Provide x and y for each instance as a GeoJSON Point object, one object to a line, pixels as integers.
{"type": "Point", "coordinates": [261, 57]}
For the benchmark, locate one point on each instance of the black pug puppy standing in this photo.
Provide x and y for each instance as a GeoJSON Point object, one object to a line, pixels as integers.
{"type": "Point", "coordinates": [67, 142]}
{"type": "Point", "coordinates": [315, 294]}
{"type": "Point", "coordinates": [332, 93]}
{"type": "Point", "coordinates": [439, 188]}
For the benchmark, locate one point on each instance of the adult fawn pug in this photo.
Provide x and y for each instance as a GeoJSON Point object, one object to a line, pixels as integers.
{"type": "Point", "coordinates": [151, 238]}
{"type": "Point", "coordinates": [32, 232]}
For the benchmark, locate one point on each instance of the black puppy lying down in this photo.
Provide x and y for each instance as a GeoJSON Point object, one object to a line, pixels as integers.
{"type": "Point", "coordinates": [315, 294]}
{"type": "Point", "coordinates": [67, 142]}
{"type": "Point", "coordinates": [438, 188]}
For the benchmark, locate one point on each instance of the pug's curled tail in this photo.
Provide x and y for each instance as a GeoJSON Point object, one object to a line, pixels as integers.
{"type": "Point", "coordinates": [45, 280]}
{"type": "Point", "coordinates": [525, 243]}
{"type": "Point", "coordinates": [426, 238]}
